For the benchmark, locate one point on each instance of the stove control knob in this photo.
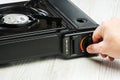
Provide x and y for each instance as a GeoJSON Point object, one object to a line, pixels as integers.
{"type": "Point", "coordinates": [85, 41]}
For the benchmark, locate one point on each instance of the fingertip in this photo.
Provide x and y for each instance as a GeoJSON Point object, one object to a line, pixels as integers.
{"type": "Point", "coordinates": [90, 49]}
{"type": "Point", "coordinates": [97, 34]}
{"type": "Point", "coordinates": [96, 48]}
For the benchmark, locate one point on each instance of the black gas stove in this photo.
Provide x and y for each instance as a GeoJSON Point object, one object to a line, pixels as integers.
{"type": "Point", "coordinates": [39, 28]}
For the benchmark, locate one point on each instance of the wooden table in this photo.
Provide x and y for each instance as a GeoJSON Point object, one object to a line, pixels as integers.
{"type": "Point", "coordinates": [94, 68]}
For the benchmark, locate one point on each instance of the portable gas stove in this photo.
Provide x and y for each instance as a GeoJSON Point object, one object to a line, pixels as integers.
{"type": "Point", "coordinates": [39, 28]}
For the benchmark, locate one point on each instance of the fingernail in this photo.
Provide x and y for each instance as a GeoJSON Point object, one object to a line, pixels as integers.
{"type": "Point", "coordinates": [89, 49]}
{"type": "Point", "coordinates": [111, 58]}
{"type": "Point", "coordinates": [104, 55]}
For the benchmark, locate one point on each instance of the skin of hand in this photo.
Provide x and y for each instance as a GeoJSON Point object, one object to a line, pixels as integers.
{"type": "Point", "coordinates": [106, 39]}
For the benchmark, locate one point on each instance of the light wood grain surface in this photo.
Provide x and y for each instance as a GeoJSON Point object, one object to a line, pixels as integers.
{"type": "Point", "coordinates": [75, 69]}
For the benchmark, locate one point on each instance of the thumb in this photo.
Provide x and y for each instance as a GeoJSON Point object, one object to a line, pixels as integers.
{"type": "Point", "coordinates": [96, 48]}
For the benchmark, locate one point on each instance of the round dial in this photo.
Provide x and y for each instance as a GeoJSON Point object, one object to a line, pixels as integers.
{"type": "Point", "coordinates": [85, 41]}
{"type": "Point", "coordinates": [15, 19]}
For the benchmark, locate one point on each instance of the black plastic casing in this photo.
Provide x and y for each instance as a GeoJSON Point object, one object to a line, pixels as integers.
{"type": "Point", "coordinates": [76, 25]}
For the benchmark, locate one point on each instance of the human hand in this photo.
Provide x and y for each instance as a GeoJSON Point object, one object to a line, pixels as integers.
{"type": "Point", "coordinates": [106, 40]}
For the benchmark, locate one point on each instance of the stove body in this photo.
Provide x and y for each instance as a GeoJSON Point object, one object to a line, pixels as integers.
{"type": "Point", "coordinates": [40, 28]}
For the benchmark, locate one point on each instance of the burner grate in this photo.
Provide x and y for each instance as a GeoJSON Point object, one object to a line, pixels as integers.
{"type": "Point", "coordinates": [17, 19]}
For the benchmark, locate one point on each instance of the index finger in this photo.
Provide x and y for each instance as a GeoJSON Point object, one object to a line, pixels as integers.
{"type": "Point", "coordinates": [98, 34]}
